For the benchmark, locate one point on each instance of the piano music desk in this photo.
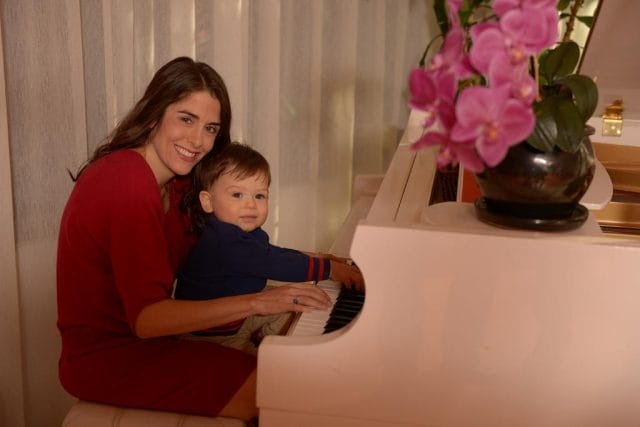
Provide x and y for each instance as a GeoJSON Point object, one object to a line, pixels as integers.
{"type": "Point", "coordinates": [457, 215]}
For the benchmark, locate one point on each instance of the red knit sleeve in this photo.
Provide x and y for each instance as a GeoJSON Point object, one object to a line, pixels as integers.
{"type": "Point", "coordinates": [139, 252]}
{"type": "Point", "coordinates": [178, 226]}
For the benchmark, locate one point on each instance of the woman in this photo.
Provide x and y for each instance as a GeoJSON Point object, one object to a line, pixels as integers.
{"type": "Point", "coordinates": [122, 239]}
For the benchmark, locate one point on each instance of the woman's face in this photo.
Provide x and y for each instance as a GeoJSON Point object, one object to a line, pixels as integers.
{"type": "Point", "coordinates": [186, 133]}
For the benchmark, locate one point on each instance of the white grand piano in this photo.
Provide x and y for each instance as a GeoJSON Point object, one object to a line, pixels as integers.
{"type": "Point", "coordinates": [465, 324]}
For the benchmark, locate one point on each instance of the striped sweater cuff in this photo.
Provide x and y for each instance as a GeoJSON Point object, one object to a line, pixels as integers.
{"type": "Point", "coordinates": [318, 269]}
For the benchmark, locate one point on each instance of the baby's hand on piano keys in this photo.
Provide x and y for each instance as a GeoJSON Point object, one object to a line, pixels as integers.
{"type": "Point", "coordinates": [336, 258]}
{"type": "Point", "coordinates": [347, 273]}
{"type": "Point", "coordinates": [297, 297]}
{"type": "Point", "coordinates": [330, 257]}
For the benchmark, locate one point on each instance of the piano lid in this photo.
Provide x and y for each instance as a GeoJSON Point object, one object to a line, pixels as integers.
{"type": "Point", "coordinates": [408, 179]}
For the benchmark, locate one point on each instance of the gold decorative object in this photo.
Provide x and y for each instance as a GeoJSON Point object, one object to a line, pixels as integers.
{"type": "Point", "coordinates": [612, 119]}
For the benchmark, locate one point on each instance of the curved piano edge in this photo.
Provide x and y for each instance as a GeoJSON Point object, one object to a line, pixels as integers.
{"type": "Point", "coordinates": [350, 377]}
{"type": "Point", "coordinates": [272, 342]}
{"type": "Point", "coordinates": [600, 191]}
{"type": "Point", "coordinates": [291, 361]}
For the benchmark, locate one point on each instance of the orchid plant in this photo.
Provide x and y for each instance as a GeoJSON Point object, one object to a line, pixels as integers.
{"type": "Point", "coordinates": [501, 78]}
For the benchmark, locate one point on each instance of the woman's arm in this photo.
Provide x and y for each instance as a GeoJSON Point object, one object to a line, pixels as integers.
{"type": "Point", "coordinates": [172, 317]}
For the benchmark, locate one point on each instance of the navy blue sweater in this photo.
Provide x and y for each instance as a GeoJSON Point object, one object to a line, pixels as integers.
{"type": "Point", "coordinates": [228, 261]}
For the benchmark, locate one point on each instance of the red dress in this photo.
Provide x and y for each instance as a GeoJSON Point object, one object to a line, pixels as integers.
{"type": "Point", "coordinates": [117, 253]}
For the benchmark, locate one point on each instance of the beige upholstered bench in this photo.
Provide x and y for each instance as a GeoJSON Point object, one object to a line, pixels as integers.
{"type": "Point", "coordinates": [89, 414]}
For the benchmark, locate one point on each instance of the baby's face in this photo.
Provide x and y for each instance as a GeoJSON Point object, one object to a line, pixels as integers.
{"type": "Point", "coordinates": [242, 202]}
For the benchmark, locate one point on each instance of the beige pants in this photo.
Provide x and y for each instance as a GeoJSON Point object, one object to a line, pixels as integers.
{"type": "Point", "coordinates": [252, 330]}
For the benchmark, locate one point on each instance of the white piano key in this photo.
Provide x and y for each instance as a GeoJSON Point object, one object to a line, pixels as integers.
{"type": "Point", "coordinates": [312, 323]}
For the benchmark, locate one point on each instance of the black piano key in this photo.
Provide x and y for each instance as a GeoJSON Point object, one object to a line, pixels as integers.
{"type": "Point", "coordinates": [332, 327]}
{"type": "Point", "coordinates": [334, 324]}
{"type": "Point", "coordinates": [445, 186]}
{"type": "Point", "coordinates": [348, 305]}
{"type": "Point", "coordinates": [351, 294]}
{"type": "Point", "coordinates": [343, 316]}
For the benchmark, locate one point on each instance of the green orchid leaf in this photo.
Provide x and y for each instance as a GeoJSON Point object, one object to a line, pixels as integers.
{"type": "Point", "coordinates": [560, 61]}
{"type": "Point", "coordinates": [542, 61]}
{"type": "Point", "coordinates": [586, 20]}
{"type": "Point", "coordinates": [545, 132]}
{"type": "Point", "coordinates": [569, 122]}
{"type": "Point", "coordinates": [563, 4]}
{"type": "Point", "coordinates": [585, 93]}
{"type": "Point", "coordinates": [558, 124]}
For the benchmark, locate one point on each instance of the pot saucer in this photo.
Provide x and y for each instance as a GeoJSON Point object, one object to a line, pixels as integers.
{"type": "Point", "coordinates": [573, 220]}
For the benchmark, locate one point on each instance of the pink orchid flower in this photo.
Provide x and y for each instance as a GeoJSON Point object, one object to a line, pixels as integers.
{"type": "Point", "coordinates": [453, 7]}
{"type": "Point", "coordinates": [451, 56]}
{"type": "Point", "coordinates": [532, 29]}
{"type": "Point", "coordinates": [500, 7]}
{"type": "Point", "coordinates": [523, 85]}
{"type": "Point", "coordinates": [522, 32]}
{"type": "Point", "coordinates": [450, 152]}
{"type": "Point", "coordinates": [493, 119]}
{"type": "Point", "coordinates": [533, 23]}
{"type": "Point", "coordinates": [429, 90]}
{"type": "Point", "coordinates": [476, 126]}
{"type": "Point", "coordinates": [490, 44]}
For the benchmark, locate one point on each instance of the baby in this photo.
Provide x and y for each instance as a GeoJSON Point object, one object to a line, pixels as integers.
{"type": "Point", "coordinates": [233, 255]}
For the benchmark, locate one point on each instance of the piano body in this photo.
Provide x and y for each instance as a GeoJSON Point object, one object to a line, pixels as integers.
{"type": "Point", "coordinates": [465, 324]}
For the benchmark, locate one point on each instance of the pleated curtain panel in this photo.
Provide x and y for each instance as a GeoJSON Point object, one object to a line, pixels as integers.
{"type": "Point", "coordinates": [318, 86]}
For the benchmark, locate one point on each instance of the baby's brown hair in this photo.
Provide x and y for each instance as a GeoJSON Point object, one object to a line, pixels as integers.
{"type": "Point", "coordinates": [239, 160]}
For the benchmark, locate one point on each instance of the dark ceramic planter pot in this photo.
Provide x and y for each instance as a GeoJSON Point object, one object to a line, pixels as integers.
{"type": "Point", "coordinates": [537, 190]}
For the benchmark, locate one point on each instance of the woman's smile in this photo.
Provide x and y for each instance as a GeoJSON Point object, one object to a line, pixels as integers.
{"type": "Point", "coordinates": [188, 155]}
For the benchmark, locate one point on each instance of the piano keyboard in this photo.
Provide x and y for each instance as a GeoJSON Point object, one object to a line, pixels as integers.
{"type": "Point", "coordinates": [346, 305]}
{"type": "Point", "coordinates": [445, 186]}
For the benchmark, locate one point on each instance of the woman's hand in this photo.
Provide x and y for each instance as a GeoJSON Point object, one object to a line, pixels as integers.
{"type": "Point", "coordinates": [346, 273]}
{"type": "Point", "coordinates": [299, 297]}
{"type": "Point", "coordinates": [173, 317]}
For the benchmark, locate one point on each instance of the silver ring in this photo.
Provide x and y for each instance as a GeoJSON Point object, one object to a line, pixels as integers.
{"type": "Point", "coordinates": [296, 300]}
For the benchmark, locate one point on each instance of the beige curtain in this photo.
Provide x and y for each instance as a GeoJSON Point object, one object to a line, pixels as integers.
{"type": "Point", "coordinates": [318, 86]}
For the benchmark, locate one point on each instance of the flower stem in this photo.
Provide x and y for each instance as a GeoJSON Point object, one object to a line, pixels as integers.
{"type": "Point", "coordinates": [577, 4]}
{"type": "Point", "coordinates": [536, 75]}
{"type": "Point", "coordinates": [423, 59]}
